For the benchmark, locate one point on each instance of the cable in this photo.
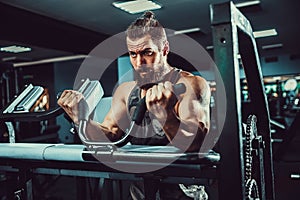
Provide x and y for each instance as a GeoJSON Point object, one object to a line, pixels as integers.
{"type": "Point", "coordinates": [137, 118]}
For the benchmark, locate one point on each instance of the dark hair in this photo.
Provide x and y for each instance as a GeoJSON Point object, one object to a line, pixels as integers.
{"type": "Point", "coordinates": [147, 25]}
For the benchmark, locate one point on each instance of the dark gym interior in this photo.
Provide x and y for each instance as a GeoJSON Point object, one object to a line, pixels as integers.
{"type": "Point", "coordinates": [46, 43]}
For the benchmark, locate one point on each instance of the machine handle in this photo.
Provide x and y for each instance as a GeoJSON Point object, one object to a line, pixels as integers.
{"type": "Point", "coordinates": [141, 107]}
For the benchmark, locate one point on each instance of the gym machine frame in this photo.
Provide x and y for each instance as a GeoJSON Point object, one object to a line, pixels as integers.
{"type": "Point", "coordinates": [28, 159]}
{"type": "Point", "coordinates": [233, 40]}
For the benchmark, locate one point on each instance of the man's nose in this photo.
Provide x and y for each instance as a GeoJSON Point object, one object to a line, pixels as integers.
{"type": "Point", "coordinates": [139, 60]}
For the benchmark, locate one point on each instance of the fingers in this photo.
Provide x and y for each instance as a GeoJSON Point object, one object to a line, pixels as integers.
{"type": "Point", "coordinates": [156, 92]}
{"type": "Point", "coordinates": [159, 99]}
{"type": "Point", "coordinates": [160, 93]}
{"type": "Point", "coordinates": [69, 100]}
{"type": "Point", "coordinates": [169, 86]}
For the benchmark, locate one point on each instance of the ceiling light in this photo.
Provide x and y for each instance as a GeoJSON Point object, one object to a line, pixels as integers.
{"type": "Point", "coordinates": [136, 6]}
{"type": "Point", "coordinates": [272, 46]}
{"type": "Point", "coordinates": [9, 58]}
{"type": "Point", "coordinates": [15, 49]}
{"type": "Point", "coordinates": [265, 33]}
{"type": "Point", "coordinates": [247, 3]}
{"type": "Point", "coordinates": [50, 60]}
{"type": "Point", "coordinates": [190, 30]}
{"type": "Point", "coordinates": [210, 47]}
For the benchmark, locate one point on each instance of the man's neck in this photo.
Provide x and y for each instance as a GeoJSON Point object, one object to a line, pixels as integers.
{"type": "Point", "coordinates": [167, 69]}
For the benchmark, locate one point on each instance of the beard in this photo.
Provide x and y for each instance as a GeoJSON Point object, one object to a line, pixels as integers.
{"type": "Point", "coordinates": [147, 76]}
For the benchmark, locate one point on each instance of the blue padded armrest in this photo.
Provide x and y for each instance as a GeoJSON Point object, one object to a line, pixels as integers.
{"type": "Point", "coordinates": [102, 109]}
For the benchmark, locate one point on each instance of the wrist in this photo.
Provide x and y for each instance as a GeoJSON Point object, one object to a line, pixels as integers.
{"type": "Point", "coordinates": [170, 118]}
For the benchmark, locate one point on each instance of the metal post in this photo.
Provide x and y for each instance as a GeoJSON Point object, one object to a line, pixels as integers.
{"type": "Point", "coordinates": [231, 169]}
{"type": "Point", "coordinates": [233, 39]}
{"type": "Point", "coordinates": [24, 187]}
{"type": "Point", "coordinates": [151, 187]}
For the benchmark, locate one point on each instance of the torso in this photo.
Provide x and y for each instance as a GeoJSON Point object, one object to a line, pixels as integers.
{"type": "Point", "coordinates": [150, 131]}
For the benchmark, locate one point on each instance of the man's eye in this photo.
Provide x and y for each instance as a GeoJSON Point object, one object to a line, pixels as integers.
{"type": "Point", "coordinates": [132, 54]}
{"type": "Point", "coordinates": [148, 53]}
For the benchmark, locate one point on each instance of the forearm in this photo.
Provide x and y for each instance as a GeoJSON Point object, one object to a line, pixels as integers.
{"type": "Point", "coordinates": [184, 134]}
{"type": "Point", "coordinates": [96, 131]}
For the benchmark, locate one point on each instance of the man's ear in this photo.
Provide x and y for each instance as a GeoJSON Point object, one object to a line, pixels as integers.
{"type": "Point", "coordinates": [166, 48]}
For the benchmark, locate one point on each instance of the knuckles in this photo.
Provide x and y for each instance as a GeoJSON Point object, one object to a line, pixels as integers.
{"type": "Point", "coordinates": [161, 93]}
{"type": "Point", "coordinates": [69, 98]}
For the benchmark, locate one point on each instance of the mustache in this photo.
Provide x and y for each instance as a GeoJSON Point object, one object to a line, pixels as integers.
{"type": "Point", "coordinates": [150, 78]}
{"type": "Point", "coordinates": [144, 68]}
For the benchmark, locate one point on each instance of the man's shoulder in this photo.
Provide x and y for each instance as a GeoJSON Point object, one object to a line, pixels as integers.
{"type": "Point", "coordinates": [127, 85]}
{"type": "Point", "coordinates": [192, 79]}
{"type": "Point", "coordinates": [123, 90]}
{"type": "Point", "coordinates": [195, 84]}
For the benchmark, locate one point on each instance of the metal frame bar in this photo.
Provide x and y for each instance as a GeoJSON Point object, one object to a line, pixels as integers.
{"type": "Point", "coordinates": [75, 160]}
{"type": "Point", "coordinates": [233, 38]}
{"type": "Point", "coordinates": [195, 174]}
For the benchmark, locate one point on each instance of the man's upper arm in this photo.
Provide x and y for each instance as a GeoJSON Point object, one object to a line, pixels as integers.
{"type": "Point", "coordinates": [194, 106]}
{"type": "Point", "coordinates": [117, 115]}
